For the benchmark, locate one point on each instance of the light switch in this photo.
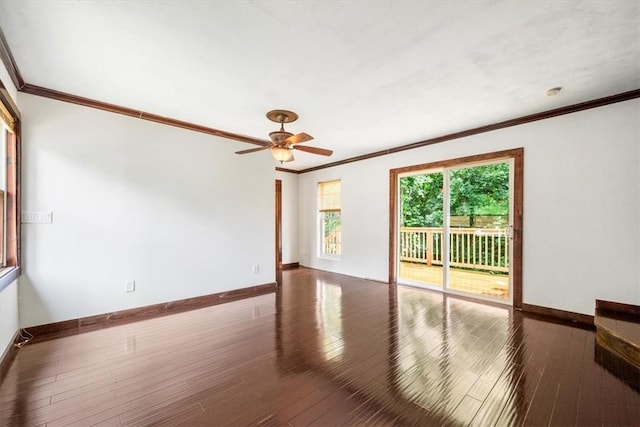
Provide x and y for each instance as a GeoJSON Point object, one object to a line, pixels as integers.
{"type": "Point", "coordinates": [37, 217]}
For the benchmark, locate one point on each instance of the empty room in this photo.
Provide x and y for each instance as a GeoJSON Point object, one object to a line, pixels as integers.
{"type": "Point", "coordinates": [327, 213]}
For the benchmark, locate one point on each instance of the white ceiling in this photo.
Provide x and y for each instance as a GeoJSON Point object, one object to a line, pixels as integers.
{"type": "Point", "coordinates": [363, 76]}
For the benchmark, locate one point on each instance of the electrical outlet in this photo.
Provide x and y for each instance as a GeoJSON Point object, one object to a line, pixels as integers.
{"type": "Point", "coordinates": [130, 286]}
{"type": "Point", "coordinates": [256, 268]}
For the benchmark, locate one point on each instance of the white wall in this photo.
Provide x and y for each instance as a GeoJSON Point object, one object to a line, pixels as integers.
{"type": "Point", "coordinates": [174, 210]}
{"type": "Point", "coordinates": [581, 206]}
{"type": "Point", "coordinates": [9, 321]}
{"type": "Point", "coordinates": [289, 217]}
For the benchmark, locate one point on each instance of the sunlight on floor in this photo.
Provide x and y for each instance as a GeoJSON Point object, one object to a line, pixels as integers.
{"type": "Point", "coordinates": [493, 285]}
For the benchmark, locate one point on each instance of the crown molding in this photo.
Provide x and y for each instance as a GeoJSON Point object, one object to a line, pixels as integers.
{"type": "Point", "coordinates": [5, 98]}
{"type": "Point", "coordinates": [113, 108]}
{"type": "Point", "coordinates": [10, 63]}
{"type": "Point", "coordinates": [600, 102]}
{"type": "Point", "coordinates": [287, 170]}
{"type": "Point", "coordinates": [14, 73]}
{"type": "Point", "coordinates": [7, 58]}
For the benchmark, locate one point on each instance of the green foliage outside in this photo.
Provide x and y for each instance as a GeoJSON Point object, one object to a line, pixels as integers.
{"type": "Point", "coordinates": [482, 190]}
{"type": "Point", "coordinates": [421, 197]}
{"type": "Point", "coordinates": [331, 233]}
{"type": "Point", "coordinates": [331, 221]}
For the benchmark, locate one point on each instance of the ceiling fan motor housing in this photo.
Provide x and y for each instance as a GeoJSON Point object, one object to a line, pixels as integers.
{"type": "Point", "coordinates": [279, 136]}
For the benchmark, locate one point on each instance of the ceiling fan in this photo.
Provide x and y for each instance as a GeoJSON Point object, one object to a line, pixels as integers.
{"type": "Point", "coordinates": [282, 142]}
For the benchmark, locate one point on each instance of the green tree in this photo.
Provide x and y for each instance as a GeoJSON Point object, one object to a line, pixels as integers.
{"type": "Point", "coordinates": [481, 190]}
{"type": "Point", "coordinates": [421, 197]}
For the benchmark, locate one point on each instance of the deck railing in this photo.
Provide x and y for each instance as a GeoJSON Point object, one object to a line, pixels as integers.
{"type": "Point", "coordinates": [476, 248]}
{"type": "Point", "coordinates": [332, 242]}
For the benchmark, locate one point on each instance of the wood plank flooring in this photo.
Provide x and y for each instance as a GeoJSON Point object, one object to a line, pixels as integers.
{"type": "Point", "coordinates": [325, 350]}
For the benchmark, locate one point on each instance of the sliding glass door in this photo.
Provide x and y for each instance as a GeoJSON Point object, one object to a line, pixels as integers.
{"type": "Point", "coordinates": [455, 229]}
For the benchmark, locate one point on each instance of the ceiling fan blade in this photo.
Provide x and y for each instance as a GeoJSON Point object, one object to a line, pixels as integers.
{"type": "Point", "coordinates": [314, 150]}
{"type": "Point", "coordinates": [299, 138]}
{"type": "Point", "coordinates": [249, 139]}
{"type": "Point", "coordinates": [252, 150]}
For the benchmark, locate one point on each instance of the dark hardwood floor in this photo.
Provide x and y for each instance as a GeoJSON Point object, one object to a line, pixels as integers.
{"type": "Point", "coordinates": [325, 350]}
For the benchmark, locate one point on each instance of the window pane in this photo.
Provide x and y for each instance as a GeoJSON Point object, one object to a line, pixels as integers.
{"type": "Point", "coordinates": [331, 233]}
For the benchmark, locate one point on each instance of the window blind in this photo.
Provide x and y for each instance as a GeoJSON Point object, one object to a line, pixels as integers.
{"type": "Point", "coordinates": [329, 195]}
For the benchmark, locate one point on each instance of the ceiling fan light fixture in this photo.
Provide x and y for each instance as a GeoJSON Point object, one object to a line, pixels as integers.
{"type": "Point", "coordinates": [281, 154]}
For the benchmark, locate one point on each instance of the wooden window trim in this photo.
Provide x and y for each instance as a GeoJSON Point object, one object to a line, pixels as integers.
{"type": "Point", "coordinates": [329, 203]}
{"type": "Point", "coordinates": [13, 200]}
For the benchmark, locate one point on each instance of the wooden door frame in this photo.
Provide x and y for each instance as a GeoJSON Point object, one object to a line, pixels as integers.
{"type": "Point", "coordinates": [278, 206]}
{"type": "Point", "coordinates": [517, 154]}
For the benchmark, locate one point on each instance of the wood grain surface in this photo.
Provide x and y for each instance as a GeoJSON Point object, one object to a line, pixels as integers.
{"type": "Point", "coordinates": [324, 350]}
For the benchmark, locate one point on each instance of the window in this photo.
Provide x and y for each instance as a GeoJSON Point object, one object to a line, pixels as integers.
{"type": "Point", "coordinates": [9, 224]}
{"type": "Point", "coordinates": [329, 218]}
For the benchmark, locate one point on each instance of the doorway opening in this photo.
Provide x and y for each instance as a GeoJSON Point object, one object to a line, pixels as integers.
{"type": "Point", "coordinates": [456, 226]}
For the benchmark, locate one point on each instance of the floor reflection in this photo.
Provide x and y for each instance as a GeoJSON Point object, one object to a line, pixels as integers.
{"type": "Point", "coordinates": [423, 356]}
{"type": "Point", "coordinates": [410, 356]}
{"type": "Point", "coordinates": [445, 347]}
{"type": "Point", "coordinates": [329, 319]}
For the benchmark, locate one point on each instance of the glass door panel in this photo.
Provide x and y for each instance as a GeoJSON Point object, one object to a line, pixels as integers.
{"type": "Point", "coordinates": [478, 229]}
{"type": "Point", "coordinates": [421, 229]}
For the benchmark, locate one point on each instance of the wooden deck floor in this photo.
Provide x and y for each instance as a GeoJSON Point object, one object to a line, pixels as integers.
{"type": "Point", "coordinates": [325, 350]}
{"type": "Point", "coordinates": [493, 285]}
